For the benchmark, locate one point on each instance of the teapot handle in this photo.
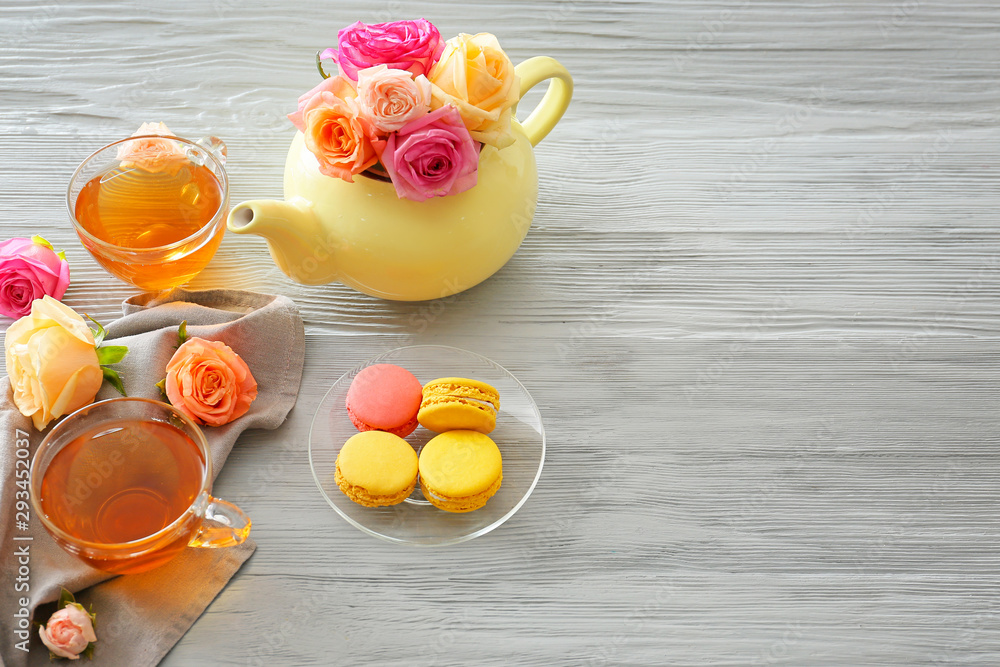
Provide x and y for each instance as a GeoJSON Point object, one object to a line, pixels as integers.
{"type": "Point", "coordinates": [544, 117]}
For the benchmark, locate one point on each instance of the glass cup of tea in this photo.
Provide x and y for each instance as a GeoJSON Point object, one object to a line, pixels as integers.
{"type": "Point", "coordinates": [125, 485]}
{"type": "Point", "coordinates": [152, 209]}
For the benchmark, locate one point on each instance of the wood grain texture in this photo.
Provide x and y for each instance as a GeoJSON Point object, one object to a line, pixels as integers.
{"type": "Point", "coordinates": [759, 309]}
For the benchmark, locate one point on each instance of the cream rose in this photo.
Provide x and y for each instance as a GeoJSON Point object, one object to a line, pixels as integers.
{"type": "Point", "coordinates": [476, 77]}
{"type": "Point", "coordinates": [391, 98]}
{"type": "Point", "coordinates": [51, 361]}
{"type": "Point", "coordinates": [155, 151]}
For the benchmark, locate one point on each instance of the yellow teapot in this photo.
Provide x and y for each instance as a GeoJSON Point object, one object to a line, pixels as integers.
{"type": "Point", "coordinates": [363, 235]}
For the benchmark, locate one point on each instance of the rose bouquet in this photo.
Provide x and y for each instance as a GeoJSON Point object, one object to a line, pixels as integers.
{"type": "Point", "coordinates": [409, 105]}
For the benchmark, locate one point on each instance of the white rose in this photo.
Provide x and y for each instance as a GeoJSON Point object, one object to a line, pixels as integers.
{"type": "Point", "coordinates": [391, 98]}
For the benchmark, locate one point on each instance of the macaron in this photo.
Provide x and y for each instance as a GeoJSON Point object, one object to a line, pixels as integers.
{"type": "Point", "coordinates": [459, 403]}
{"type": "Point", "coordinates": [375, 468]}
{"type": "Point", "coordinates": [460, 470]}
{"type": "Point", "coordinates": [384, 397]}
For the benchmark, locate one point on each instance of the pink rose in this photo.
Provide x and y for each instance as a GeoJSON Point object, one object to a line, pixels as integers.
{"type": "Point", "coordinates": [68, 631]}
{"type": "Point", "coordinates": [391, 98]}
{"type": "Point", "coordinates": [209, 382]}
{"type": "Point", "coordinates": [433, 156]}
{"type": "Point", "coordinates": [409, 45]}
{"type": "Point", "coordinates": [29, 269]}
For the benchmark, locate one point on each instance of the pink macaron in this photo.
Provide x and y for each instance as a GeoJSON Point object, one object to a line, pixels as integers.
{"type": "Point", "coordinates": [384, 397]}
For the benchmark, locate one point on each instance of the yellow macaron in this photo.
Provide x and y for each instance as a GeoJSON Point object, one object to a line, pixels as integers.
{"type": "Point", "coordinates": [460, 470]}
{"type": "Point", "coordinates": [452, 403]}
{"type": "Point", "coordinates": [375, 468]}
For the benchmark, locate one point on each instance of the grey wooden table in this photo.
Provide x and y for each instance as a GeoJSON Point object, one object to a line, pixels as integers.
{"type": "Point", "coordinates": [759, 309]}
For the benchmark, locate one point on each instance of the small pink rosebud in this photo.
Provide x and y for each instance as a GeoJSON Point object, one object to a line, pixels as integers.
{"type": "Point", "coordinates": [68, 631]}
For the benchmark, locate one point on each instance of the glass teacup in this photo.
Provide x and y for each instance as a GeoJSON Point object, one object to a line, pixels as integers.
{"type": "Point", "coordinates": [125, 485]}
{"type": "Point", "coordinates": [152, 209]}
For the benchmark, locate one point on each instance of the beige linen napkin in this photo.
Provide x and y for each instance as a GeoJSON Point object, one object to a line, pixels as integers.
{"type": "Point", "coordinates": [141, 616]}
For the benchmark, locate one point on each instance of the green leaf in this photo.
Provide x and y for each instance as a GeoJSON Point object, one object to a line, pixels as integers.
{"type": "Point", "coordinates": [182, 333]}
{"type": "Point", "coordinates": [89, 651]}
{"type": "Point", "coordinates": [112, 376]}
{"type": "Point", "coordinates": [61, 254]}
{"type": "Point", "coordinates": [65, 598]}
{"type": "Point", "coordinates": [99, 333]}
{"type": "Point", "coordinates": [111, 354]}
{"type": "Point", "coordinates": [162, 386]}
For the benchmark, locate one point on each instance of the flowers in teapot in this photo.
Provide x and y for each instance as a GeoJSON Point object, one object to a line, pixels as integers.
{"type": "Point", "coordinates": [407, 101]}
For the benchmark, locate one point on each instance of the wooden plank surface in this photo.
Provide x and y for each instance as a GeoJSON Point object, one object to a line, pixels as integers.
{"type": "Point", "coordinates": [759, 309]}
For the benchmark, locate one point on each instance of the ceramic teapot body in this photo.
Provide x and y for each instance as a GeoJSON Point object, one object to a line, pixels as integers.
{"type": "Point", "coordinates": [363, 235]}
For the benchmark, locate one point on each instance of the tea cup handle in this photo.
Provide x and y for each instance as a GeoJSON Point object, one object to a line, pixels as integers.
{"type": "Point", "coordinates": [554, 103]}
{"type": "Point", "coordinates": [224, 525]}
{"type": "Point", "coordinates": [216, 147]}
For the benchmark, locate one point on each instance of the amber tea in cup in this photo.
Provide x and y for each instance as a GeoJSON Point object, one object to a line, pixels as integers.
{"type": "Point", "coordinates": [124, 485]}
{"type": "Point", "coordinates": [90, 492]}
{"type": "Point", "coordinates": [151, 209]}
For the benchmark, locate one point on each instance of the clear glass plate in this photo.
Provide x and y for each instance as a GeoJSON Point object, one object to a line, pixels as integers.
{"type": "Point", "coordinates": [519, 435]}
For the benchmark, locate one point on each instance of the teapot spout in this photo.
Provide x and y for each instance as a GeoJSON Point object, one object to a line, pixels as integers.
{"type": "Point", "coordinates": [294, 237]}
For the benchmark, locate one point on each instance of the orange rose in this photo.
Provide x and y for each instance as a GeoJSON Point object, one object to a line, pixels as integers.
{"type": "Point", "coordinates": [335, 134]}
{"type": "Point", "coordinates": [209, 382]}
{"type": "Point", "coordinates": [476, 77]}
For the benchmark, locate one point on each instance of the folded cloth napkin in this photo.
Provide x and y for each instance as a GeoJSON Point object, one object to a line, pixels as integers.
{"type": "Point", "coordinates": [141, 616]}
